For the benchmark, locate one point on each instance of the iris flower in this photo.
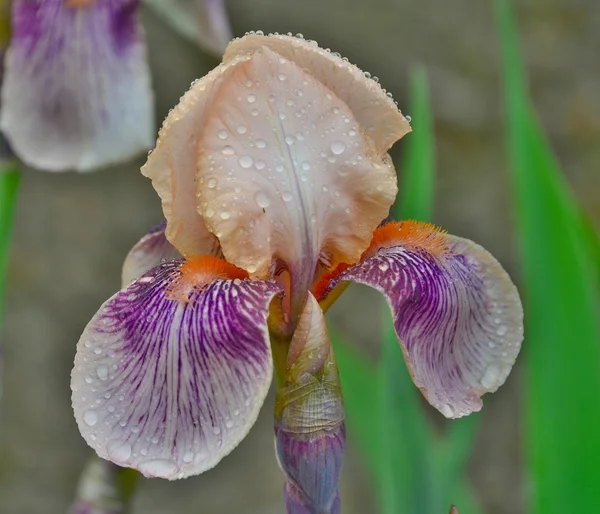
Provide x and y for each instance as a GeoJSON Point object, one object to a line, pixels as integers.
{"type": "Point", "coordinates": [76, 91]}
{"type": "Point", "coordinates": [274, 178]}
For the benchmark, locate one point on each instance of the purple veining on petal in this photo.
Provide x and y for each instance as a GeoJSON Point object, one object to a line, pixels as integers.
{"type": "Point", "coordinates": [458, 318]}
{"type": "Point", "coordinates": [167, 387]}
{"type": "Point", "coordinates": [77, 90]}
{"type": "Point", "coordinates": [147, 253]}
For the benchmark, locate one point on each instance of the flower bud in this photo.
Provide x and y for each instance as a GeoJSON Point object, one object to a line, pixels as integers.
{"type": "Point", "coordinates": [309, 420]}
{"type": "Point", "coordinates": [104, 488]}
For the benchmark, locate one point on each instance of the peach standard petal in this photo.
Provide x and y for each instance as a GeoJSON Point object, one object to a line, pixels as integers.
{"type": "Point", "coordinates": [285, 172]}
{"type": "Point", "coordinates": [374, 110]}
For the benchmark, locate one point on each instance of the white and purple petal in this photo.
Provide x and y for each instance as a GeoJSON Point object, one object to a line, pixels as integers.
{"type": "Point", "coordinates": [147, 253]}
{"type": "Point", "coordinates": [76, 91]}
{"type": "Point", "coordinates": [171, 387]}
{"type": "Point", "coordinates": [458, 317]}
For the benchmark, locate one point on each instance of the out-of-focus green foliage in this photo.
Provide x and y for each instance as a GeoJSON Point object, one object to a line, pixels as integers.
{"type": "Point", "coordinates": [559, 255]}
{"type": "Point", "coordinates": [9, 182]}
{"type": "Point", "coordinates": [414, 468]}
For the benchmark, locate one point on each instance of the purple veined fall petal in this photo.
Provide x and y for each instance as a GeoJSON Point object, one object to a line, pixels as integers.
{"type": "Point", "coordinates": [202, 21]}
{"type": "Point", "coordinates": [170, 387]}
{"type": "Point", "coordinates": [148, 252]}
{"type": "Point", "coordinates": [76, 91]}
{"type": "Point", "coordinates": [457, 314]}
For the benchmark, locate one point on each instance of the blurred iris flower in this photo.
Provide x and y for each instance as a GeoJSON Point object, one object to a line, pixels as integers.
{"type": "Point", "coordinates": [77, 91]}
{"type": "Point", "coordinates": [274, 179]}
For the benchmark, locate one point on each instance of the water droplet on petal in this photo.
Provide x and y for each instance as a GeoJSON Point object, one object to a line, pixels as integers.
{"type": "Point", "coordinates": [225, 215]}
{"type": "Point", "coordinates": [228, 150]}
{"type": "Point", "coordinates": [229, 423]}
{"type": "Point", "coordinates": [305, 165]}
{"type": "Point", "coordinates": [242, 129]}
{"type": "Point", "coordinates": [246, 161]}
{"type": "Point", "coordinates": [223, 134]}
{"type": "Point", "coordinates": [287, 196]}
{"type": "Point", "coordinates": [212, 182]}
{"type": "Point", "coordinates": [501, 330]}
{"type": "Point", "coordinates": [162, 468]}
{"type": "Point", "coordinates": [260, 143]}
{"type": "Point", "coordinates": [90, 417]}
{"type": "Point", "coordinates": [210, 213]}
{"type": "Point", "coordinates": [338, 147]}
{"type": "Point", "coordinates": [118, 451]}
{"type": "Point", "coordinates": [281, 77]}
{"type": "Point", "coordinates": [259, 165]}
{"type": "Point", "coordinates": [251, 99]}
{"type": "Point", "coordinates": [262, 200]}
{"type": "Point", "coordinates": [216, 430]}
{"type": "Point", "coordinates": [102, 372]}
{"type": "Point", "coordinates": [446, 410]}
{"type": "Point", "coordinates": [491, 376]}
{"type": "Point", "coordinates": [188, 457]}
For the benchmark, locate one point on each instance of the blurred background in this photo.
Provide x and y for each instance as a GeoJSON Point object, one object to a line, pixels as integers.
{"type": "Point", "coordinates": [72, 232]}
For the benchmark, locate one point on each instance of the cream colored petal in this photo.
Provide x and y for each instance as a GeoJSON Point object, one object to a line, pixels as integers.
{"type": "Point", "coordinates": [172, 164]}
{"type": "Point", "coordinates": [373, 109]}
{"type": "Point", "coordinates": [285, 171]}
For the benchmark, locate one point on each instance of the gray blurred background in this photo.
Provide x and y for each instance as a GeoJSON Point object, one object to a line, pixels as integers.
{"type": "Point", "coordinates": [72, 232]}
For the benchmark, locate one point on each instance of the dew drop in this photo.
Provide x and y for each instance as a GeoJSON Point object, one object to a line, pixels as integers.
{"type": "Point", "coordinates": [501, 330]}
{"type": "Point", "coordinates": [491, 376]}
{"type": "Point", "coordinates": [225, 215]}
{"type": "Point", "coordinates": [254, 112]}
{"type": "Point", "coordinates": [338, 147]}
{"type": "Point", "coordinates": [88, 380]}
{"type": "Point", "coordinates": [229, 423]}
{"type": "Point", "coordinates": [222, 134]}
{"type": "Point", "coordinates": [251, 99]}
{"type": "Point", "coordinates": [216, 430]}
{"type": "Point", "coordinates": [97, 351]}
{"type": "Point", "coordinates": [279, 168]}
{"type": "Point", "coordinates": [287, 196]}
{"type": "Point", "coordinates": [119, 451]}
{"type": "Point", "coordinates": [162, 468]}
{"type": "Point", "coordinates": [289, 140]}
{"type": "Point", "coordinates": [242, 129]}
{"type": "Point", "coordinates": [305, 165]}
{"type": "Point", "coordinates": [384, 266]}
{"type": "Point", "coordinates": [228, 150]}
{"type": "Point", "coordinates": [90, 417]}
{"type": "Point", "coordinates": [246, 161]}
{"type": "Point", "coordinates": [260, 143]}
{"type": "Point", "coordinates": [262, 200]}
{"type": "Point", "coordinates": [446, 410]}
{"type": "Point", "coordinates": [281, 77]}
{"type": "Point", "coordinates": [102, 372]}
{"type": "Point", "coordinates": [259, 165]}
{"type": "Point", "coordinates": [212, 183]}
{"type": "Point", "coordinates": [209, 213]}
{"type": "Point", "coordinates": [188, 457]}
